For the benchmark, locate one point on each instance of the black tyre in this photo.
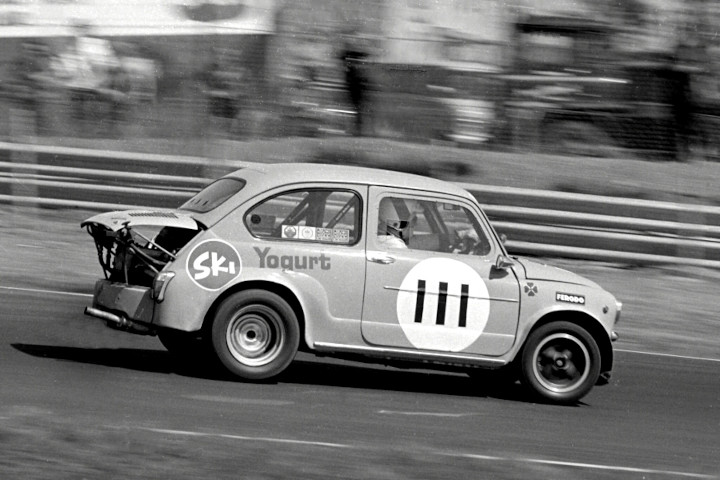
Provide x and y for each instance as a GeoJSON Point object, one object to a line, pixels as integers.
{"type": "Point", "coordinates": [255, 334]}
{"type": "Point", "coordinates": [560, 362]}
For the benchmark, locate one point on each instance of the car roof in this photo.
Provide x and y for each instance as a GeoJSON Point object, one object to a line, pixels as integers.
{"type": "Point", "coordinates": [277, 174]}
{"type": "Point", "coordinates": [260, 178]}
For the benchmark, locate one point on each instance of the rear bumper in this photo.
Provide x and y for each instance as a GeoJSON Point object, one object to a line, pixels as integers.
{"type": "Point", "coordinates": [122, 306]}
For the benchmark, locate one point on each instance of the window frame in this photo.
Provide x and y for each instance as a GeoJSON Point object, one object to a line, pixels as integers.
{"type": "Point", "coordinates": [358, 220]}
{"type": "Point", "coordinates": [476, 217]}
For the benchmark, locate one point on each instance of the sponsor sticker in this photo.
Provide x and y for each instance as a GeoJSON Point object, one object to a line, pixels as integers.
{"type": "Point", "coordinates": [531, 289]}
{"type": "Point", "coordinates": [289, 231]}
{"type": "Point", "coordinates": [570, 298]}
{"type": "Point", "coordinates": [340, 235]}
{"type": "Point", "coordinates": [324, 234]}
{"type": "Point", "coordinates": [212, 264]}
{"type": "Point", "coordinates": [292, 262]}
{"type": "Point", "coordinates": [443, 304]}
{"type": "Point", "coordinates": [307, 233]}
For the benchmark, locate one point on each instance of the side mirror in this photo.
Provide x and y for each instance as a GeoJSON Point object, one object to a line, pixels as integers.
{"type": "Point", "coordinates": [502, 262]}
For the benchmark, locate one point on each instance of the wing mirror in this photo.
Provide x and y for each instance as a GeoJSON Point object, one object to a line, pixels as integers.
{"type": "Point", "coordinates": [503, 262]}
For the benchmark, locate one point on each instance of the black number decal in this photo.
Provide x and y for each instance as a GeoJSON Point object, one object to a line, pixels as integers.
{"type": "Point", "coordinates": [442, 303]}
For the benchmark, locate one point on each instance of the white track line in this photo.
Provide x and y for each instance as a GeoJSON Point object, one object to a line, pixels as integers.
{"type": "Point", "coordinates": [49, 292]}
{"type": "Point", "coordinates": [487, 458]}
{"type": "Point", "coordinates": [89, 295]}
{"type": "Point", "coordinates": [670, 355]}
{"type": "Point", "coordinates": [424, 414]}
{"type": "Point", "coordinates": [250, 439]}
{"type": "Point", "coordinates": [589, 466]}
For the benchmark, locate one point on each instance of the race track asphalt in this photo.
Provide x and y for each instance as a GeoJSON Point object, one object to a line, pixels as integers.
{"type": "Point", "coordinates": [79, 400]}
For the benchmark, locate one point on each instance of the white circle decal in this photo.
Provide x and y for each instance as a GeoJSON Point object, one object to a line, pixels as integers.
{"type": "Point", "coordinates": [443, 304]}
{"type": "Point", "coordinates": [212, 264]}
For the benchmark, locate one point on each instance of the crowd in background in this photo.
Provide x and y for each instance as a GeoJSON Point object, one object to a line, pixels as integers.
{"type": "Point", "coordinates": [311, 82]}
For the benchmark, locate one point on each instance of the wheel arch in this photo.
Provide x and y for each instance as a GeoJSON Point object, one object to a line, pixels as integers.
{"type": "Point", "coordinates": [281, 290]}
{"type": "Point", "coordinates": [586, 322]}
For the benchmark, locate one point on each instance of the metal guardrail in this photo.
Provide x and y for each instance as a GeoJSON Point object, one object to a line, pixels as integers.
{"type": "Point", "coordinates": [536, 222]}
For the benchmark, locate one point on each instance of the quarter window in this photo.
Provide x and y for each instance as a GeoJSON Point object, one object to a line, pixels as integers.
{"type": "Point", "coordinates": [214, 195]}
{"type": "Point", "coordinates": [313, 215]}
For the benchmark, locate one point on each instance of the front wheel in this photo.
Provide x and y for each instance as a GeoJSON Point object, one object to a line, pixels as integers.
{"type": "Point", "coordinates": [560, 362]}
{"type": "Point", "coordinates": [255, 334]}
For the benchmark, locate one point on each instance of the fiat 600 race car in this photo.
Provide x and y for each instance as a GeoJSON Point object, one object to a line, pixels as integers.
{"type": "Point", "coordinates": [349, 262]}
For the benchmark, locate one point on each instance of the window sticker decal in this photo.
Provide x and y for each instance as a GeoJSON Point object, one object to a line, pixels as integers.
{"type": "Point", "coordinates": [289, 231]}
{"type": "Point", "coordinates": [307, 233]}
{"type": "Point", "coordinates": [212, 264]}
{"type": "Point", "coordinates": [330, 235]}
{"type": "Point", "coordinates": [443, 304]}
{"type": "Point", "coordinates": [340, 235]}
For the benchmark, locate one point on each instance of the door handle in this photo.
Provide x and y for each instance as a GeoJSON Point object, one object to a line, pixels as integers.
{"type": "Point", "coordinates": [381, 258]}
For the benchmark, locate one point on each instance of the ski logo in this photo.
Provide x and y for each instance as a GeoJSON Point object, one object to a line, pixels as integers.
{"type": "Point", "coordinates": [212, 264]}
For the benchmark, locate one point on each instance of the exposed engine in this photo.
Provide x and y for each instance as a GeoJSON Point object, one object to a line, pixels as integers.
{"type": "Point", "coordinates": [131, 257]}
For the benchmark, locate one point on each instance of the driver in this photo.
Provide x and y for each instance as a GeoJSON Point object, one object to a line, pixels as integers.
{"type": "Point", "coordinates": [396, 220]}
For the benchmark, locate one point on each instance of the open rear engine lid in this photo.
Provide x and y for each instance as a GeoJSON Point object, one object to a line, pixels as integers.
{"type": "Point", "coordinates": [148, 218]}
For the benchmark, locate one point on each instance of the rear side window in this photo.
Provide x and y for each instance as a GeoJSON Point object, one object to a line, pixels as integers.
{"type": "Point", "coordinates": [214, 195]}
{"type": "Point", "coordinates": [313, 215]}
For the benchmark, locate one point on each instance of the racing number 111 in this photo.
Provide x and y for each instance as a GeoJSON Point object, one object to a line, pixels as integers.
{"type": "Point", "coordinates": [442, 303]}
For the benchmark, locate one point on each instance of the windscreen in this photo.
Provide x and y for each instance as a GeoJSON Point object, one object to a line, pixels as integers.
{"type": "Point", "coordinates": [214, 195]}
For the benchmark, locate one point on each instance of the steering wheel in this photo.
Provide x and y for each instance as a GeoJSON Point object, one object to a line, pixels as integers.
{"type": "Point", "coordinates": [465, 245]}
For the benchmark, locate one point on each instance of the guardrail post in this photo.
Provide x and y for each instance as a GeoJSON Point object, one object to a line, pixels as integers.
{"type": "Point", "coordinates": [23, 125]}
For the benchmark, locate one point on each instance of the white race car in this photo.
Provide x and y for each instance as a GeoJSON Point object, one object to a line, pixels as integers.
{"type": "Point", "coordinates": [349, 262]}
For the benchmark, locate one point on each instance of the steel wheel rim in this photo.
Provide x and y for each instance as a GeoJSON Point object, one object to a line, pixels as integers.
{"type": "Point", "coordinates": [561, 363]}
{"type": "Point", "coordinates": [255, 335]}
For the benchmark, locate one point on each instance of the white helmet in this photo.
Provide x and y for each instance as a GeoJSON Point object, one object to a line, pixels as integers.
{"type": "Point", "coordinates": [397, 216]}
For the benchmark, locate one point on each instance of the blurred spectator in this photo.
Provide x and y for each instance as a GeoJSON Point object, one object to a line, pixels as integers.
{"type": "Point", "coordinates": [86, 68]}
{"type": "Point", "coordinates": [29, 77]}
{"type": "Point", "coordinates": [141, 73]}
{"type": "Point", "coordinates": [684, 103]}
{"type": "Point", "coordinates": [223, 87]}
{"type": "Point", "coordinates": [357, 85]}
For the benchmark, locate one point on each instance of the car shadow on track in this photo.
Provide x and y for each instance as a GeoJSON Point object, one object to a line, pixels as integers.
{"type": "Point", "coordinates": [333, 374]}
{"type": "Point", "coordinates": [143, 360]}
{"type": "Point", "coordinates": [372, 377]}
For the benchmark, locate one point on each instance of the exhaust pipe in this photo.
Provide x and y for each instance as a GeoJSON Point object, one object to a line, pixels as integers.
{"type": "Point", "coordinates": [117, 321]}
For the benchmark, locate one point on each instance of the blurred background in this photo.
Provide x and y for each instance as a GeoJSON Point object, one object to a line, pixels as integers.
{"type": "Point", "coordinates": [595, 78]}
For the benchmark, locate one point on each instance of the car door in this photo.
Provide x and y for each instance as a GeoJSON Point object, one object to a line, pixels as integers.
{"type": "Point", "coordinates": [437, 288]}
{"type": "Point", "coordinates": [309, 236]}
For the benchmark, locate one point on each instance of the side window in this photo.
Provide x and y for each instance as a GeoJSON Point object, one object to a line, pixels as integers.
{"type": "Point", "coordinates": [317, 215]}
{"type": "Point", "coordinates": [431, 226]}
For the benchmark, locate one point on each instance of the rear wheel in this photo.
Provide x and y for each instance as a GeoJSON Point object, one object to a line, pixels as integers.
{"type": "Point", "coordinates": [560, 362]}
{"type": "Point", "coordinates": [255, 334]}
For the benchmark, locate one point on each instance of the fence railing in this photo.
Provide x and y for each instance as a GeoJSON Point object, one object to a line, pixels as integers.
{"type": "Point", "coordinates": [535, 222]}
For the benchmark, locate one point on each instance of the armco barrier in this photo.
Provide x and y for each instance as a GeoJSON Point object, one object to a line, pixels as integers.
{"type": "Point", "coordinates": [535, 222]}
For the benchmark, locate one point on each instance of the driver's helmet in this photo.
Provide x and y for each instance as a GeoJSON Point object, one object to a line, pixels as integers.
{"type": "Point", "coordinates": [397, 217]}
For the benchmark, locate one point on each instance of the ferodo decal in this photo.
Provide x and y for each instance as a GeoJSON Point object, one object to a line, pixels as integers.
{"type": "Point", "coordinates": [569, 298]}
{"type": "Point", "coordinates": [443, 304]}
{"type": "Point", "coordinates": [212, 264]}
